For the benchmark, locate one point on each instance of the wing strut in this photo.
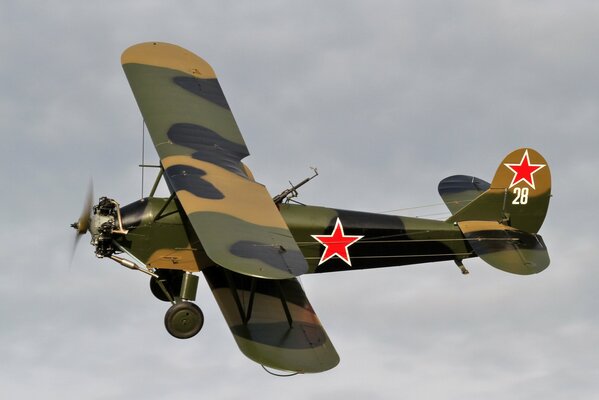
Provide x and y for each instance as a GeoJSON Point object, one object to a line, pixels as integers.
{"type": "Point", "coordinates": [156, 182]}
{"type": "Point", "coordinates": [159, 214]}
{"type": "Point", "coordinates": [244, 315]}
{"type": "Point", "coordinates": [284, 304]}
{"type": "Point", "coordinates": [247, 314]}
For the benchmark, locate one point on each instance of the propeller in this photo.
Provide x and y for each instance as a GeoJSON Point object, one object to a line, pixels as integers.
{"type": "Point", "coordinates": [82, 224]}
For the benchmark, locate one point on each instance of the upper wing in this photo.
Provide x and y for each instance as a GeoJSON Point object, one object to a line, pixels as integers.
{"type": "Point", "coordinates": [201, 149]}
{"type": "Point", "coordinates": [272, 321]}
{"type": "Point", "coordinates": [458, 191]}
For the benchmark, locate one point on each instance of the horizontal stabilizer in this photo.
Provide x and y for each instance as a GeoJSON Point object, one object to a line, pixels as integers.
{"type": "Point", "coordinates": [272, 321]}
{"type": "Point", "coordinates": [506, 248]}
{"type": "Point", "coordinates": [458, 191]}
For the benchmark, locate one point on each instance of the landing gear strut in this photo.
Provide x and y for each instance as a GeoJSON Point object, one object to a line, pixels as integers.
{"type": "Point", "coordinates": [171, 282]}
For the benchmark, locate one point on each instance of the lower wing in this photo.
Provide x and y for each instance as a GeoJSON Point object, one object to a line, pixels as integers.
{"type": "Point", "coordinates": [272, 321]}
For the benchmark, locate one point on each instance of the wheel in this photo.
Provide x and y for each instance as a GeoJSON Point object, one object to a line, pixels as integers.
{"type": "Point", "coordinates": [171, 279]}
{"type": "Point", "coordinates": [184, 320]}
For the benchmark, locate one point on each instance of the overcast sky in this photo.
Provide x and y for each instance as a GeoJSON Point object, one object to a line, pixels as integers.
{"type": "Point", "coordinates": [386, 99]}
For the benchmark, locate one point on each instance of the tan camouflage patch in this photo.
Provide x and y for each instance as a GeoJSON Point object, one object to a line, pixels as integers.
{"type": "Point", "coordinates": [168, 56]}
{"type": "Point", "coordinates": [243, 198]}
{"type": "Point", "coordinates": [180, 259]}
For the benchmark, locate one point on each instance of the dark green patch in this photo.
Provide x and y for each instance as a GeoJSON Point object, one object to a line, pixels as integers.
{"type": "Point", "coordinates": [387, 242]}
{"type": "Point", "coordinates": [218, 278]}
{"type": "Point", "coordinates": [276, 257]}
{"type": "Point", "coordinates": [208, 89]}
{"type": "Point", "coordinates": [185, 177]}
{"type": "Point", "coordinates": [210, 146]}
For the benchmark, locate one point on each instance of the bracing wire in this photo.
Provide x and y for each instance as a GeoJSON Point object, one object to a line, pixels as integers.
{"type": "Point", "coordinates": [396, 210]}
{"type": "Point", "coordinates": [143, 153]}
{"type": "Point", "coordinates": [411, 208]}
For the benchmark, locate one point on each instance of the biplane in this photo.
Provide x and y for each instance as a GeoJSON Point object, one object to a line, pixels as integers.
{"type": "Point", "coordinates": [251, 247]}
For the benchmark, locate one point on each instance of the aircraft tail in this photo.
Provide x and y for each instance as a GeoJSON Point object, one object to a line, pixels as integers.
{"type": "Point", "coordinates": [501, 222]}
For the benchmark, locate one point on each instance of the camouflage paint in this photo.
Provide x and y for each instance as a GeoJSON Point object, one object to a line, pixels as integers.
{"type": "Point", "coordinates": [517, 204]}
{"type": "Point", "coordinates": [201, 149]}
{"type": "Point", "coordinates": [272, 321]}
{"type": "Point", "coordinates": [157, 242]}
{"type": "Point", "coordinates": [458, 191]}
{"type": "Point", "coordinates": [506, 248]}
{"type": "Point", "coordinates": [388, 240]}
{"type": "Point", "coordinates": [225, 224]}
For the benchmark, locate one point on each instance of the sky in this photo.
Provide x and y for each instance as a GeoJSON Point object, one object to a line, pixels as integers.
{"type": "Point", "coordinates": [386, 98]}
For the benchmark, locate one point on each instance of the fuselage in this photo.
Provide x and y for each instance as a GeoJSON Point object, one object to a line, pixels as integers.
{"type": "Point", "coordinates": [160, 237]}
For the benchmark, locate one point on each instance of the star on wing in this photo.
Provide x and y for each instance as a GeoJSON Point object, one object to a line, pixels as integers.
{"type": "Point", "coordinates": [336, 244]}
{"type": "Point", "coordinates": [524, 171]}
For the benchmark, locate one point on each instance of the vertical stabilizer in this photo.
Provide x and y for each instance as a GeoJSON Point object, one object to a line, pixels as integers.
{"type": "Point", "coordinates": [518, 196]}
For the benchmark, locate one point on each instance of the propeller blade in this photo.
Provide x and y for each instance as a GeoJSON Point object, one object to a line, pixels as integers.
{"type": "Point", "coordinates": [84, 218]}
{"type": "Point", "coordinates": [82, 224]}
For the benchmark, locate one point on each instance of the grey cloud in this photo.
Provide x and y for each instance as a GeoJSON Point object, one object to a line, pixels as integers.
{"type": "Point", "coordinates": [386, 99]}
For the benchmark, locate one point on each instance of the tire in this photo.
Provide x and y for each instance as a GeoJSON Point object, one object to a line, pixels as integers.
{"type": "Point", "coordinates": [184, 320]}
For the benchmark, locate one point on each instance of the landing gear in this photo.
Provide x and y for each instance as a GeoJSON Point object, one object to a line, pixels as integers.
{"type": "Point", "coordinates": [184, 320]}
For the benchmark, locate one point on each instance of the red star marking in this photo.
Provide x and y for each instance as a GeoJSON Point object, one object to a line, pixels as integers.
{"type": "Point", "coordinates": [524, 171]}
{"type": "Point", "coordinates": [336, 244]}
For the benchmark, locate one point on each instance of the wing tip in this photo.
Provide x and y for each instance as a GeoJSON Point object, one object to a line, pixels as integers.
{"type": "Point", "coordinates": [167, 55]}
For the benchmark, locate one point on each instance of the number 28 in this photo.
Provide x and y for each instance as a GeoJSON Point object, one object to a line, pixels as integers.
{"type": "Point", "coordinates": [521, 196]}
